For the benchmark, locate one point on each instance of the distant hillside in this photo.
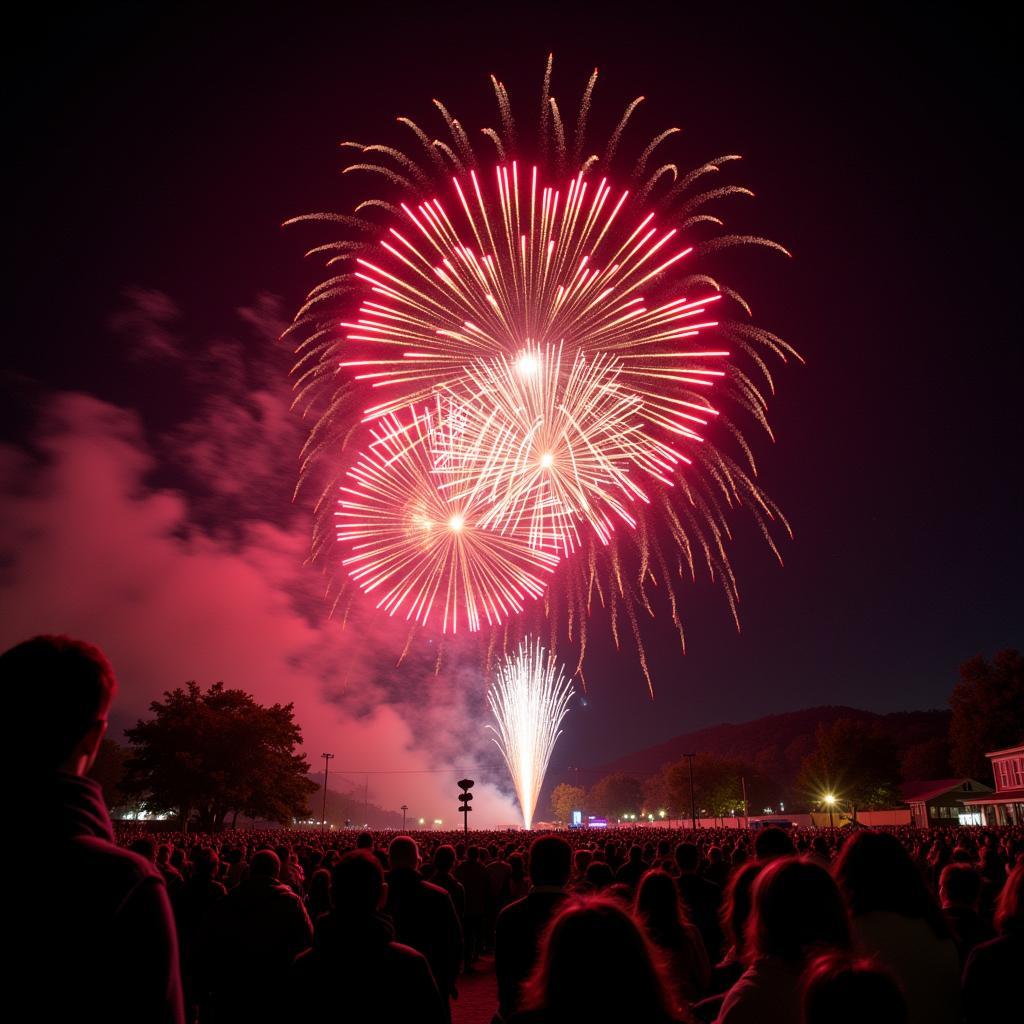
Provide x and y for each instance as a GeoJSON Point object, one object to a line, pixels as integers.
{"type": "Point", "coordinates": [777, 744]}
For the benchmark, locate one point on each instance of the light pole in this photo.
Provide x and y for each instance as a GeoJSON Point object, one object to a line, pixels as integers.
{"type": "Point", "coordinates": [323, 816]}
{"type": "Point", "coordinates": [693, 804]}
{"type": "Point", "coordinates": [830, 802]}
{"type": "Point", "coordinates": [404, 809]}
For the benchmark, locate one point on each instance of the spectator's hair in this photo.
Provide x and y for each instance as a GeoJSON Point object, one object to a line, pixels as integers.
{"type": "Point", "coordinates": [66, 684]}
{"type": "Point", "coordinates": [658, 906]}
{"type": "Point", "coordinates": [144, 847]}
{"type": "Point", "coordinates": [599, 874]}
{"type": "Point", "coordinates": [1009, 915]}
{"type": "Point", "coordinates": [595, 963]}
{"type": "Point", "coordinates": [357, 883]}
{"type": "Point", "coordinates": [737, 904]}
{"type": "Point", "coordinates": [687, 856]}
{"type": "Point", "coordinates": [875, 873]}
{"type": "Point", "coordinates": [403, 852]}
{"type": "Point", "coordinates": [265, 864]}
{"type": "Point", "coordinates": [960, 884]}
{"type": "Point", "coordinates": [797, 909]}
{"type": "Point", "coordinates": [364, 841]}
{"type": "Point", "coordinates": [581, 860]}
{"type": "Point", "coordinates": [444, 857]}
{"type": "Point", "coordinates": [839, 989]}
{"type": "Point", "coordinates": [636, 854]}
{"type": "Point", "coordinates": [773, 842]}
{"type": "Point", "coordinates": [550, 861]}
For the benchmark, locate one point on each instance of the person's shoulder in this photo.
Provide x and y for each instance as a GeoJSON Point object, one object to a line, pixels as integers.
{"type": "Point", "coordinates": [99, 856]}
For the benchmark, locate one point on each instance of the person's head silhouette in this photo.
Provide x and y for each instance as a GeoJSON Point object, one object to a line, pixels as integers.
{"type": "Point", "coordinates": [838, 989]}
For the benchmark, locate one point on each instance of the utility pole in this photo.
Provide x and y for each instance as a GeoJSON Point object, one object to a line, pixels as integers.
{"type": "Point", "coordinates": [746, 810]}
{"type": "Point", "coordinates": [693, 804]}
{"type": "Point", "coordinates": [404, 808]}
{"type": "Point", "coordinates": [323, 816]}
{"type": "Point", "coordinates": [366, 803]}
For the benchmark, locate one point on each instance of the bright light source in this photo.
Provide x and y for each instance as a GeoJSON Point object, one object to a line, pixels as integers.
{"type": "Point", "coordinates": [456, 523]}
{"type": "Point", "coordinates": [829, 798]}
{"type": "Point", "coordinates": [547, 460]}
{"type": "Point", "coordinates": [527, 365]}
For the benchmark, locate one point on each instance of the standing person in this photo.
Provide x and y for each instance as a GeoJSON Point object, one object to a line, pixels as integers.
{"type": "Point", "coordinates": [839, 989]}
{"type": "Point", "coordinates": [355, 964]}
{"type": "Point", "coordinates": [988, 994]}
{"type": "Point", "coordinates": [898, 922]}
{"type": "Point", "coordinates": [797, 914]}
{"type": "Point", "coordinates": [701, 898]}
{"type": "Point", "coordinates": [595, 964]}
{"type": "Point", "coordinates": [960, 893]}
{"type": "Point", "coordinates": [472, 875]}
{"type": "Point", "coordinates": [520, 924]}
{"type": "Point", "coordinates": [498, 874]}
{"type": "Point", "coordinates": [444, 862]}
{"type": "Point", "coordinates": [101, 917]}
{"type": "Point", "coordinates": [424, 916]}
{"type": "Point", "coordinates": [659, 908]}
{"type": "Point", "coordinates": [246, 946]}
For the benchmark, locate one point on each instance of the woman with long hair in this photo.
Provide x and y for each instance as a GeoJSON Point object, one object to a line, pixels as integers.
{"type": "Point", "coordinates": [595, 964]}
{"type": "Point", "coordinates": [899, 922]}
{"type": "Point", "coordinates": [658, 907]}
{"type": "Point", "coordinates": [797, 914]}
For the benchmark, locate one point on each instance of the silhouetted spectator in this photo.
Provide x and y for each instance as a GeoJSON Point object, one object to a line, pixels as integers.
{"type": "Point", "coordinates": [424, 916]}
{"type": "Point", "coordinates": [898, 921]}
{"type": "Point", "coordinates": [595, 964]}
{"type": "Point", "coordinates": [772, 842]}
{"type": "Point", "coordinates": [991, 990]}
{"type": "Point", "coordinates": [201, 893]}
{"type": "Point", "coordinates": [599, 876]}
{"type": "Point", "coordinates": [498, 873]}
{"type": "Point", "coordinates": [355, 967]}
{"type": "Point", "coordinates": [660, 910]}
{"type": "Point", "coordinates": [100, 918]}
{"type": "Point", "coordinates": [472, 875]}
{"type": "Point", "coordinates": [444, 861]}
{"type": "Point", "coordinates": [960, 893]}
{"type": "Point", "coordinates": [247, 946]}
{"type": "Point", "coordinates": [797, 913]}
{"type": "Point", "coordinates": [701, 898]}
{"type": "Point", "coordinates": [633, 870]}
{"type": "Point", "coordinates": [520, 924]}
{"type": "Point", "coordinates": [839, 989]}
{"type": "Point", "coordinates": [318, 899]}
{"type": "Point", "coordinates": [518, 883]}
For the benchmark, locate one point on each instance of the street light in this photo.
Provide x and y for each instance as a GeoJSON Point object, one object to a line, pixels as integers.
{"type": "Point", "coordinates": [830, 802]}
{"type": "Point", "coordinates": [404, 809]}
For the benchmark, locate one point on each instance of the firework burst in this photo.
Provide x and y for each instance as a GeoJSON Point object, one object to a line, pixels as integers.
{"type": "Point", "coordinates": [529, 698]}
{"type": "Point", "coordinates": [521, 339]}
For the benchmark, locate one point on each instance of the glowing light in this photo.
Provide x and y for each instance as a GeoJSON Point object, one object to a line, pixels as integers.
{"type": "Point", "coordinates": [529, 698]}
{"type": "Point", "coordinates": [829, 798]}
{"type": "Point", "coordinates": [456, 523]}
{"type": "Point", "coordinates": [547, 460]}
{"type": "Point", "coordinates": [527, 365]}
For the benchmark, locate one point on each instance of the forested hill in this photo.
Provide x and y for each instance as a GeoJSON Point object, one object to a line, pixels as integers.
{"type": "Point", "coordinates": [776, 744]}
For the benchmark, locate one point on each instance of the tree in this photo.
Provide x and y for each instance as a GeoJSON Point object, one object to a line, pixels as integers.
{"type": "Point", "coordinates": [853, 760]}
{"type": "Point", "coordinates": [616, 795]}
{"type": "Point", "coordinates": [218, 753]}
{"type": "Point", "coordinates": [717, 785]}
{"type": "Point", "coordinates": [565, 799]}
{"type": "Point", "coordinates": [927, 760]}
{"type": "Point", "coordinates": [108, 770]}
{"type": "Point", "coordinates": [988, 712]}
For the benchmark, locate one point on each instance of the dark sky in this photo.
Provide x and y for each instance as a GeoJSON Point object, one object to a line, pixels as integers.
{"type": "Point", "coordinates": [162, 151]}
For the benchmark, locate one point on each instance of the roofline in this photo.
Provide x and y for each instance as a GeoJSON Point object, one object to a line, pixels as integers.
{"type": "Point", "coordinates": [1019, 748]}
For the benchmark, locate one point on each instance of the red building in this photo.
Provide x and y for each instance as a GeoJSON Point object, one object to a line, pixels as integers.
{"type": "Point", "coordinates": [1006, 805]}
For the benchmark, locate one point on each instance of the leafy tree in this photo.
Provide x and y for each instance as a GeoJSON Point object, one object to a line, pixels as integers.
{"type": "Point", "coordinates": [615, 795]}
{"type": "Point", "coordinates": [854, 760]}
{"type": "Point", "coordinates": [927, 760]}
{"type": "Point", "coordinates": [717, 785]}
{"type": "Point", "coordinates": [656, 793]}
{"type": "Point", "coordinates": [217, 753]}
{"type": "Point", "coordinates": [108, 770]}
{"type": "Point", "coordinates": [988, 712]}
{"type": "Point", "coordinates": [565, 799]}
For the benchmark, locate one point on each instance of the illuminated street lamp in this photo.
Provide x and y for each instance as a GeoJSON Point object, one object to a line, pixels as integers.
{"type": "Point", "coordinates": [830, 802]}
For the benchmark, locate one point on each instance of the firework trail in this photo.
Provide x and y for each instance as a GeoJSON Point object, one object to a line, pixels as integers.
{"type": "Point", "coordinates": [520, 340]}
{"type": "Point", "coordinates": [529, 698]}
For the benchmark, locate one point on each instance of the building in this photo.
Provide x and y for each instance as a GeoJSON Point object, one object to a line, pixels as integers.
{"type": "Point", "coordinates": [939, 801]}
{"type": "Point", "coordinates": [1006, 805]}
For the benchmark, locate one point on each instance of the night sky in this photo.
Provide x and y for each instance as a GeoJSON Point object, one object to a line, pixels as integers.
{"type": "Point", "coordinates": [148, 465]}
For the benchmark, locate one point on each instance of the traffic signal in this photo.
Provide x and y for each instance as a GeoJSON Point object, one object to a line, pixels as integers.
{"type": "Point", "coordinates": [465, 797]}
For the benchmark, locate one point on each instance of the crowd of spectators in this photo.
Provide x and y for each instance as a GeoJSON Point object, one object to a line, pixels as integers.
{"type": "Point", "coordinates": [899, 926]}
